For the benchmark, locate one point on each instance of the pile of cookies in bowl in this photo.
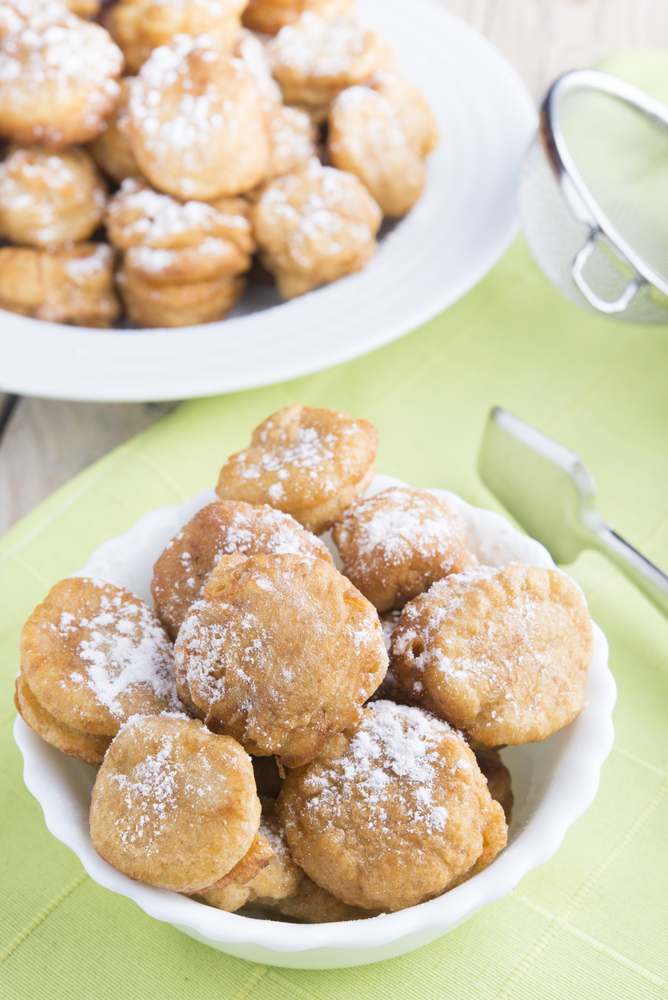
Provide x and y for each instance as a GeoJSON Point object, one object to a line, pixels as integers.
{"type": "Point", "coordinates": [161, 151]}
{"type": "Point", "coordinates": [278, 734]}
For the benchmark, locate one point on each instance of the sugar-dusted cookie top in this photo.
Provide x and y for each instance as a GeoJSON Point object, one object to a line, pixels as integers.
{"type": "Point", "coordinates": [499, 652]}
{"type": "Point", "coordinates": [310, 463]}
{"type": "Point", "coordinates": [393, 812]}
{"type": "Point", "coordinates": [94, 655]}
{"type": "Point", "coordinates": [174, 805]}
{"type": "Point", "coordinates": [280, 653]}
{"type": "Point", "coordinates": [395, 544]}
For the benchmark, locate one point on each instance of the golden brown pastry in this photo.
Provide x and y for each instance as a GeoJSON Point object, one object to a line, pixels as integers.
{"type": "Point", "coordinates": [195, 122]}
{"type": "Point", "coordinates": [314, 226]}
{"type": "Point", "coordinates": [269, 16]}
{"type": "Point", "coordinates": [367, 139]}
{"type": "Point", "coordinates": [111, 150]}
{"type": "Point", "coordinates": [70, 741]}
{"type": "Point", "coordinates": [415, 116]}
{"type": "Point", "coordinates": [313, 59]}
{"type": "Point", "coordinates": [277, 880]}
{"type": "Point", "coordinates": [182, 261]}
{"type": "Point", "coordinates": [153, 304]}
{"type": "Point", "coordinates": [500, 653]}
{"type": "Point", "coordinates": [392, 812]}
{"type": "Point", "coordinates": [310, 463]}
{"type": "Point", "coordinates": [313, 905]}
{"type": "Point", "coordinates": [174, 805]}
{"type": "Point", "coordinates": [93, 655]}
{"type": "Point", "coordinates": [281, 653]}
{"type": "Point", "coordinates": [221, 528]}
{"type": "Point", "coordinates": [140, 26]}
{"type": "Point", "coordinates": [58, 79]}
{"type": "Point", "coordinates": [498, 778]}
{"type": "Point", "coordinates": [292, 139]}
{"type": "Point", "coordinates": [66, 286]}
{"type": "Point", "coordinates": [49, 199]}
{"type": "Point", "coordinates": [395, 544]}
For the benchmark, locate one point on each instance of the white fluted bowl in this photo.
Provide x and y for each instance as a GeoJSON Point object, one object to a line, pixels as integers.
{"type": "Point", "coordinates": [553, 783]}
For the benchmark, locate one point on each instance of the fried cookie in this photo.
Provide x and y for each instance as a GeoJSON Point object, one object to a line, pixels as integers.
{"type": "Point", "coordinates": [292, 139]}
{"type": "Point", "coordinates": [111, 149]}
{"type": "Point", "coordinates": [415, 115]}
{"type": "Point", "coordinates": [66, 286]}
{"type": "Point", "coordinates": [281, 653]}
{"type": "Point", "coordinates": [158, 304]}
{"type": "Point", "coordinates": [94, 654]}
{"type": "Point", "coordinates": [310, 463]}
{"type": "Point", "coordinates": [269, 16]}
{"type": "Point", "coordinates": [174, 805]}
{"type": "Point", "coordinates": [499, 652]}
{"type": "Point", "coordinates": [278, 879]}
{"type": "Point", "coordinates": [70, 741]}
{"type": "Point", "coordinates": [313, 59]}
{"type": "Point", "coordinates": [195, 122]}
{"type": "Point", "coordinates": [182, 260]}
{"type": "Point", "coordinates": [498, 778]}
{"type": "Point", "coordinates": [221, 528]}
{"type": "Point", "coordinates": [392, 812]}
{"type": "Point", "coordinates": [48, 199]}
{"type": "Point", "coordinates": [58, 80]}
{"type": "Point", "coordinates": [313, 905]}
{"type": "Point", "coordinates": [395, 544]}
{"type": "Point", "coordinates": [314, 226]}
{"type": "Point", "coordinates": [366, 138]}
{"type": "Point", "coordinates": [138, 216]}
{"type": "Point", "coordinates": [140, 26]}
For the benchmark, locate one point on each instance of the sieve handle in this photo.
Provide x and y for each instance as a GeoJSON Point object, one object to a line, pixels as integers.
{"type": "Point", "coordinates": [577, 267]}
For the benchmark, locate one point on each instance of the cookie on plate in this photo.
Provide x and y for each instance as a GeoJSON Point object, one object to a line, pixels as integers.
{"type": "Point", "coordinates": [281, 653]}
{"type": "Point", "coordinates": [314, 226]}
{"type": "Point", "coordinates": [174, 805]}
{"type": "Point", "coordinates": [393, 812]}
{"type": "Point", "coordinates": [395, 544]}
{"type": "Point", "coordinates": [74, 285]}
{"type": "Point", "coordinates": [221, 528]}
{"type": "Point", "coordinates": [48, 198]}
{"type": "Point", "coordinates": [310, 463]}
{"type": "Point", "coordinates": [499, 652]}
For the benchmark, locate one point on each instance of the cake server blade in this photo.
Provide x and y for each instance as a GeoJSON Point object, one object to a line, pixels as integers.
{"type": "Point", "coordinates": [550, 491]}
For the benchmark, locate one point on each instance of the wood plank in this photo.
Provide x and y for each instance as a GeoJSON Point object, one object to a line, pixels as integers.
{"type": "Point", "coordinates": [545, 38]}
{"type": "Point", "coordinates": [46, 442]}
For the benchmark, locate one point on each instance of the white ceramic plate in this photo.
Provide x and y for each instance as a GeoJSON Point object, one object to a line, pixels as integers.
{"type": "Point", "coordinates": [553, 783]}
{"type": "Point", "coordinates": [447, 243]}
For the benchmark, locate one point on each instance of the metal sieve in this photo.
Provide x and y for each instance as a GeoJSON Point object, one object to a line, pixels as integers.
{"type": "Point", "coordinates": [593, 196]}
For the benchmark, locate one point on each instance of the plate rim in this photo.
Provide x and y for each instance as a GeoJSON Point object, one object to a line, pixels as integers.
{"type": "Point", "coordinates": [18, 376]}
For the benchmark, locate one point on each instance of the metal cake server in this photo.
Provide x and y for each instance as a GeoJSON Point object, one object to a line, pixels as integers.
{"type": "Point", "coordinates": [550, 491]}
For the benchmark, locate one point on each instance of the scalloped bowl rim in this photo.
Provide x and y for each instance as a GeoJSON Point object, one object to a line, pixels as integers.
{"type": "Point", "coordinates": [570, 790]}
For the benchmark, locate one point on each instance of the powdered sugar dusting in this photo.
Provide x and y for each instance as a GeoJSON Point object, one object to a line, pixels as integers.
{"type": "Point", "coordinates": [126, 649]}
{"type": "Point", "coordinates": [393, 755]}
{"type": "Point", "coordinates": [327, 215]}
{"type": "Point", "coordinates": [398, 524]}
{"type": "Point", "coordinates": [154, 219]}
{"type": "Point", "coordinates": [318, 48]}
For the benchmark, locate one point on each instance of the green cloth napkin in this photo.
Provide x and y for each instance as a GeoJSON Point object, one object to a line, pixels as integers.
{"type": "Point", "coordinates": [591, 923]}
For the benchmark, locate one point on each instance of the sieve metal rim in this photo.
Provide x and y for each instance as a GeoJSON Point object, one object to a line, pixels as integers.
{"type": "Point", "coordinates": [577, 194]}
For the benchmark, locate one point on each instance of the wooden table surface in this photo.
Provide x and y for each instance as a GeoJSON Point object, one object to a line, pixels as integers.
{"type": "Point", "coordinates": [43, 443]}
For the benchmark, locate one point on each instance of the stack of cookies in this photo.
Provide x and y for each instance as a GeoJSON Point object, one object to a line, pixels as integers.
{"type": "Point", "coordinates": [322, 745]}
{"type": "Point", "coordinates": [288, 116]}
